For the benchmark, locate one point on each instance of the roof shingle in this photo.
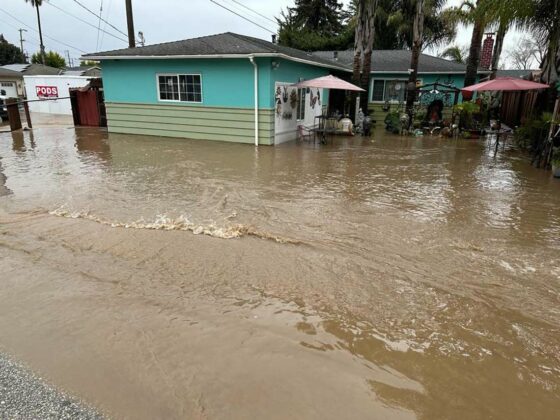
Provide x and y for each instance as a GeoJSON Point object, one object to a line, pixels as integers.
{"type": "Point", "coordinates": [221, 44]}
{"type": "Point", "coordinates": [229, 43]}
{"type": "Point", "coordinates": [394, 61]}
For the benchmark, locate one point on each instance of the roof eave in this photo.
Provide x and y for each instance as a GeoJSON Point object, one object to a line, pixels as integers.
{"type": "Point", "coordinates": [213, 56]}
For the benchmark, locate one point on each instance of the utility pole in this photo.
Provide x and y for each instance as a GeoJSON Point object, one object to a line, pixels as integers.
{"type": "Point", "coordinates": [130, 24]}
{"type": "Point", "coordinates": [21, 31]}
{"type": "Point", "coordinates": [69, 62]}
{"type": "Point", "coordinates": [42, 46]}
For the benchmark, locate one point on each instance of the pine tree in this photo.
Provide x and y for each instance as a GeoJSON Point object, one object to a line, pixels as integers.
{"type": "Point", "coordinates": [320, 16]}
{"type": "Point", "coordinates": [9, 53]}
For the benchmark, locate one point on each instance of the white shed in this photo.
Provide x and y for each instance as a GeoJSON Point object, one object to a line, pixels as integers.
{"type": "Point", "coordinates": [52, 87]}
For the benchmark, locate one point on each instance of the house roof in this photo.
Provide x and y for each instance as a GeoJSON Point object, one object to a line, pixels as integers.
{"type": "Point", "coordinates": [92, 71]}
{"type": "Point", "coordinates": [515, 73]}
{"type": "Point", "coordinates": [33, 69]}
{"type": "Point", "coordinates": [9, 73]}
{"type": "Point", "coordinates": [396, 61]}
{"type": "Point", "coordinates": [221, 45]}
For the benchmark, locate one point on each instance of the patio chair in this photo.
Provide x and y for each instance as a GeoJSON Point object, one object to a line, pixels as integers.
{"type": "Point", "coordinates": [304, 132]}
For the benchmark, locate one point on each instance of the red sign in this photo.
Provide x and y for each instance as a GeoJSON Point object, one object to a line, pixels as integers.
{"type": "Point", "coordinates": [46, 91]}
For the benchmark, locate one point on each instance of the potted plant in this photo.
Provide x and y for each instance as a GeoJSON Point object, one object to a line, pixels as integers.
{"type": "Point", "coordinates": [555, 162]}
{"type": "Point", "coordinates": [467, 122]}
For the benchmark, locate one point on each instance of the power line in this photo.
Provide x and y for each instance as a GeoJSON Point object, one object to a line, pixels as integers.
{"type": "Point", "coordinates": [254, 11]}
{"type": "Point", "coordinates": [49, 37]}
{"type": "Point", "coordinates": [82, 20]}
{"type": "Point", "coordinates": [105, 24]}
{"type": "Point", "coordinates": [241, 16]}
{"type": "Point", "coordinates": [103, 20]}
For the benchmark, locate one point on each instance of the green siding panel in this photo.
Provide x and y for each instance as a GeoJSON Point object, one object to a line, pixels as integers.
{"type": "Point", "coordinates": [204, 123]}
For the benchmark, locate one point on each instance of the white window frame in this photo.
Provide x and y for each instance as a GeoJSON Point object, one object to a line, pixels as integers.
{"type": "Point", "coordinates": [301, 104]}
{"type": "Point", "coordinates": [179, 100]}
{"type": "Point", "coordinates": [385, 79]}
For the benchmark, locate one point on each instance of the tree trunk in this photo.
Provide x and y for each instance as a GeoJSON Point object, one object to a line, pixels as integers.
{"type": "Point", "coordinates": [549, 75]}
{"type": "Point", "coordinates": [41, 46]}
{"type": "Point", "coordinates": [474, 53]}
{"type": "Point", "coordinates": [417, 35]}
{"type": "Point", "coordinates": [364, 82]}
{"type": "Point", "coordinates": [363, 46]}
{"type": "Point", "coordinates": [502, 29]}
{"type": "Point", "coordinates": [357, 66]}
{"type": "Point", "coordinates": [551, 63]}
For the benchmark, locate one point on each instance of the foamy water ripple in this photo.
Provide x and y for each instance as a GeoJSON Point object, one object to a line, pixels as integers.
{"type": "Point", "coordinates": [180, 223]}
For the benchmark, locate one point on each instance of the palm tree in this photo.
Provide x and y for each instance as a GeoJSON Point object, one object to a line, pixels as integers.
{"type": "Point", "coordinates": [506, 14]}
{"type": "Point", "coordinates": [430, 26]}
{"type": "Point", "coordinates": [545, 24]}
{"type": "Point", "coordinates": [439, 28]}
{"type": "Point", "coordinates": [363, 44]}
{"type": "Point", "coordinates": [417, 38]}
{"type": "Point", "coordinates": [472, 13]}
{"type": "Point", "coordinates": [455, 54]}
{"type": "Point", "coordinates": [36, 4]}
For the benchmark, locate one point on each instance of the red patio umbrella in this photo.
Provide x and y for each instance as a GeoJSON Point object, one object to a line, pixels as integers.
{"type": "Point", "coordinates": [503, 84]}
{"type": "Point", "coordinates": [329, 82]}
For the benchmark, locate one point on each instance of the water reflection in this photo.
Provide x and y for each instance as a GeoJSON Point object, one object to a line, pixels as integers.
{"type": "Point", "coordinates": [4, 190]}
{"type": "Point", "coordinates": [92, 142]}
{"type": "Point", "coordinates": [18, 141]}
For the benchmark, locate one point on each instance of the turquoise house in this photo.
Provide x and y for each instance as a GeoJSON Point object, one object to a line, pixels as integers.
{"type": "Point", "coordinates": [389, 75]}
{"type": "Point", "coordinates": [231, 87]}
{"type": "Point", "coordinates": [226, 87]}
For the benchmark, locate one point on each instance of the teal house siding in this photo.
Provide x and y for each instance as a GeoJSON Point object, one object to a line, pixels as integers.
{"type": "Point", "coordinates": [225, 83]}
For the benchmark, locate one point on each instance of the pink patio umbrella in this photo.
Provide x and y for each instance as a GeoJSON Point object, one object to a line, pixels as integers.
{"type": "Point", "coordinates": [504, 84]}
{"type": "Point", "coordinates": [329, 82]}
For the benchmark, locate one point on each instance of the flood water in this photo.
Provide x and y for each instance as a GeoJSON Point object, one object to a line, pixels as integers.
{"type": "Point", "coordinates": [368, 278]}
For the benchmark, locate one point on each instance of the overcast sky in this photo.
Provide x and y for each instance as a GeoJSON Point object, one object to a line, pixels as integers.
{"type": "Point", "coordinates": [160, 21]}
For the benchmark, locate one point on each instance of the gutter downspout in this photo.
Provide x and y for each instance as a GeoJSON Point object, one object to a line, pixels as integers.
{"type": "Point", "coordinates": [256, 78]}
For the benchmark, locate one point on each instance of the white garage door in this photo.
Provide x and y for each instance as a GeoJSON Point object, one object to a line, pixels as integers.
{"type": "Point", "coordinates": [8, 89]}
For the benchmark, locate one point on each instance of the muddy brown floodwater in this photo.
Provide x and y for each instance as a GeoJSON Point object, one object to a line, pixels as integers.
{"type": "Point", "coordinates": [393, 278]}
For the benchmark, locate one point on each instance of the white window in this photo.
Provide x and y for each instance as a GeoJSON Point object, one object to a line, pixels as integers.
{"type": "Point", "coordinates": [301, 104]}
{"type": "Point", "coordinates": [388, 90]}
{"type": "Point", "coordinates": [180, 87]}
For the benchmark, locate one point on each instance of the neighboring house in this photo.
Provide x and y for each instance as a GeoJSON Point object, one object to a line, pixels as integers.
{"type": "Point", "coordinates": [55, 88]}
{"type": "Point", "coordinates": [90, 71]}
{"type": "Point", "coordinates": [30, 70]}
{"type": "Point", "coordinates": [389, 73]}
{"type": "Point", "coordinates": [33, 69]}
{"type": "Point", "coordinates": [522, 74]}
{"type": "Point", "coordinates": [213, 87]}
{"type": "Point", "coordinates": [11, 83]}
